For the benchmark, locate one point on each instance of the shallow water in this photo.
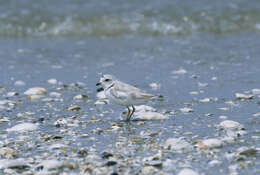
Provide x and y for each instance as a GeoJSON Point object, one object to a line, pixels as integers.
{"type": "Point", "coordinates": [140, 43]}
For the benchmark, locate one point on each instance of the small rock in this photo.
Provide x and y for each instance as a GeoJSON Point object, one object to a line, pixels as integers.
{"type": "Point", "coordinates": [80, 97]}
{"type": "Point", "coordinates": [57, 146]}
{"type": "Point", "coordinates": [53, 164]}
{"type": "Point", "coordinates": [35, 91]}
{"type": "Point", "coordinates": [229, 124]}
{"type": "Point", "coordinates": [179, 72]}
{"type": "Point", "coordinates": [202, 84]}
{"type": "Point", "coordinates": [74, 108]}
{"type": "Point", "coordinates": [52, 81]}
{"type": "Point", "coordinates": [55, 94]}
{"type": "Point", "coordinates": [12, 94]}
{"type": "Point", "coordinates": [194, 93]}
{"type": "Point", "coordinates": [205, 100]}
{"type": "Point", "coordinates": [240, 96]}
{"type": "Point", "coordinates": [177, 144]}
{"type": "Point", "coordinates": [186, 110]}
{"type": "Point", "coordinates": [93, 118]}
{"type": "Point", "coordinates": [14, 164]}
{"type": "Point", "coordinates": [210, 143]}
{"type": "Point", "coordinates": [23, 127]}
{"type": "Point", "coordinates": [187, 171]}
{"type": "Point", "coordinates": [19, 83]}
{"type": "Point", "coordinates": [35, 97]}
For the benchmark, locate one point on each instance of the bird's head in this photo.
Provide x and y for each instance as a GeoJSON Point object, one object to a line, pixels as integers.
{"type": "Point", "coordinates": [106, 81]}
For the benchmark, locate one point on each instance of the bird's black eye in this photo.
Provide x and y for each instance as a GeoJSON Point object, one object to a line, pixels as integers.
{"type": "Point", "coordinates": [107, 80]}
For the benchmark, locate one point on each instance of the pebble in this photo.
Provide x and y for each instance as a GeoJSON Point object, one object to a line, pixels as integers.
{"type": "Point", "coordinates": [15, 163]}
{"type": "Point", "coordinates": [74, 108]}
{"type": "Point", "coordinates": [35, 91]}
{"type": "Point", "coordinates": [229, 124]}
{"type": "Point", "coordinates": [23, 127]}
{"type": "Point", "coordinates": [35, 97]}
{"type": "Point", "coordinates": [179, 72]}
{"type": "Point", "coordinates": [187, 171]}
{"type": "Point", "coordinates": [210, 143]}
{"type": "Point", "coordinates": [12, 94]}
{"type": "Point", "coordinates": [205, 100]}
{"type": "Point", "coordinates": [53, 164]}
{"type": "Point", "coordinates": [202, 84]}
{"type": "Point", "coordinates": [55, 94]}
{"type": "Point", "coordinates": [186, 110]}
{"type": "Point", "coordinates": [194, 93]}
{"type": "Point", "coordinates": [52, 81]}
{"type": "Point", "coordinates": [240, 96]}
{"type": "Point", "coordinates": [80, 97]}
{"type": "Point", "coordinates": [178, 145]}
{"type": "Point", "coordinates": [19, 83]}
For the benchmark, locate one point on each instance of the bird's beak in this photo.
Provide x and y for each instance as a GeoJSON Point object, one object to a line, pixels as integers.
{"type": "Point", "coordinates": [98, 84]}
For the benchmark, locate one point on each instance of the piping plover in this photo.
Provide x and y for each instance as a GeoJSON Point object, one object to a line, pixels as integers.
{"type": "Point", "coordinates": [123, 94]}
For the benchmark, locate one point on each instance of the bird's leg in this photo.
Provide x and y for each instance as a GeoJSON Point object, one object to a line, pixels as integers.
{"type": "Point", "coordinates": [131, 113]}
{"type": "Point", "coordinates": [128, 114]}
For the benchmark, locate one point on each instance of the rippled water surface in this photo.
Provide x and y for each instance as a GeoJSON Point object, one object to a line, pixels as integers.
{"type": "Point", "coordinates": [197, 54]}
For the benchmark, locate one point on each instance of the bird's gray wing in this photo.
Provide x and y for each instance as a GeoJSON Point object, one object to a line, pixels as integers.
{"type": "Point", "coordinates": [125, 87]}
{"type": "Point", "coordinates": [119, 94]}
{"type": "Point", "coordinates": [141, 95]}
